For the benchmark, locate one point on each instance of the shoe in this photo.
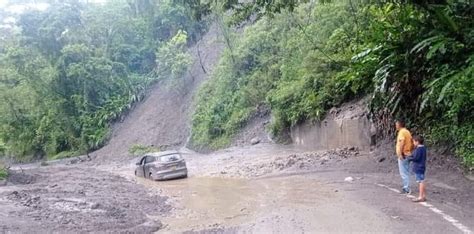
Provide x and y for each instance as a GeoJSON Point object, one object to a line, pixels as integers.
{"type": "Point", "coordinates": [405, 191]}
{"type": "Point", "coordinates": [419, 200]}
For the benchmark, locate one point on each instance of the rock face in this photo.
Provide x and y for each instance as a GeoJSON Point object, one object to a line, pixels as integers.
{"type": "Point", "coordinates": [347, 126]}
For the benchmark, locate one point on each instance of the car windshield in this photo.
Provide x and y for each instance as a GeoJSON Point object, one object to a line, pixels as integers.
{"type": "Point", "coordinates": [170, 158]}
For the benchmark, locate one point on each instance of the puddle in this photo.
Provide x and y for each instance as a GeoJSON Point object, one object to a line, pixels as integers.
{"type": "Point", "coordinates": [205, 202]}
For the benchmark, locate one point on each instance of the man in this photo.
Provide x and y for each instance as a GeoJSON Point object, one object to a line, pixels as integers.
{"type": "Point", "coordinates": [403, 148]}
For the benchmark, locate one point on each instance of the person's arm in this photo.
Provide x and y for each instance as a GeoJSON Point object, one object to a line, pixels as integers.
{"type": "Point", "coordinates": [415, 157]}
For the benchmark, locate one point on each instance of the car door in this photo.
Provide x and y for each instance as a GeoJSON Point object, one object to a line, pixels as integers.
{"type": "Point", "coordinates": [140, 168]}
{"type": "Point", "coordinates": [148, 165]}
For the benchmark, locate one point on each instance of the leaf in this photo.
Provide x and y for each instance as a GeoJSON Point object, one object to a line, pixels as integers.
{"type": "Point", "coordinates": [365, 53]}
{"type": "Point", "coordinates": [445, 18]}
{"type": "Point", "coordinates": [443, 91]}
{"type": "Point", "coordinates": [381, 76]}
{"type": "Point", "coordinates": [439, 46]}
{"type": "Point", "coordinates": [423, 44]}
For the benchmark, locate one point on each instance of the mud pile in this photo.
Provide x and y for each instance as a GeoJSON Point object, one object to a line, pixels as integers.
{"type": "Point", "coordinates": [75, 199]}
{"type": "Point", "coordinates": [294, 162]}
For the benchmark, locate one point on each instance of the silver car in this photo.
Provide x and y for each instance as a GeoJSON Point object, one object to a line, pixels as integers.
{"type": "Point", "coordinates": [162, 166]}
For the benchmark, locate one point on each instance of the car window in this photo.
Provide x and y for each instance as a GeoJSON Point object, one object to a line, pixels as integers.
{"type": "Point", "coordinates": [149, 159]}
{"type": "Point", "coordinates": [142, 160]}
{"type": "Point", "coordinates": [170, 158]}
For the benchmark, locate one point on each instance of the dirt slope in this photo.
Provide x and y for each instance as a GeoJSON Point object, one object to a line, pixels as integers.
{"type": "Point", "coordinates": [162, 118]}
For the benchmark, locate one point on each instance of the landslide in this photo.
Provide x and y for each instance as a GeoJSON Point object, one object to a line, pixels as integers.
{"type": "Point", "coordinates": [162, 119]}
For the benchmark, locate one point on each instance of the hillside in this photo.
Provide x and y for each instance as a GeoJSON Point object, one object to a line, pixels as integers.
{"type": "Point", "coordinates": [297, 61]}
{"type": "Point", "coordinates": [162, 119]}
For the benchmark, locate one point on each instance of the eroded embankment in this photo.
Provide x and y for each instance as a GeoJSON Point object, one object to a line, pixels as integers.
{"type": "Point", "coordinates": [162, 119]}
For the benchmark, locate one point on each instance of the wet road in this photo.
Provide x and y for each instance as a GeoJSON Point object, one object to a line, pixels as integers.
{"type": "Point", "coordinates": [233, 193]}
{"type": "Point", "coordinates": [255, 190]}
{"type": "Point", "coordinates": [287, 205]}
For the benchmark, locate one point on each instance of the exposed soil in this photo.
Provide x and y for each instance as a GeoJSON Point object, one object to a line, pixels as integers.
{"type": "Point", "coordinates": [162, 119]}
{"type": "Point", "coordinates": [255, 129]}
{"type": "Point", "coordinates": [77, 199]}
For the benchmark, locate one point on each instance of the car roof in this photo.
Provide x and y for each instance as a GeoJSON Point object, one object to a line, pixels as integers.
{"type": "Point", "coordinates": [163, 153]}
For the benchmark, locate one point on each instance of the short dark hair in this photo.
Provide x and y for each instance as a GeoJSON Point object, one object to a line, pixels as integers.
{"type": "Point", "coordinates": [418, 139]}
{"type": "Point", "coordinates": [401, 122]}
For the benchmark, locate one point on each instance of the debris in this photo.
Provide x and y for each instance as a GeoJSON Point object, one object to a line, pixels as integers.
{"type": "Point", "coordinates": [381, 159]}
{"type": "Point", "coordinates": [95, 206]}
{"type": "Point", "coordinates": [255, 141]}
{"type": "Point", "coordinates": [349, 179]}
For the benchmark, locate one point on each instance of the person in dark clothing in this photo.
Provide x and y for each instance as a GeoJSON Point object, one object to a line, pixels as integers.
{"type": "Point", "coordinates": [418, 159]}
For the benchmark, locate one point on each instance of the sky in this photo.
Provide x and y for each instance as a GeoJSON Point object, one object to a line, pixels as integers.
{"type": "Point", "coordinates": [16, 9]}
{"type": "Point", "coordinates": [19, 8]}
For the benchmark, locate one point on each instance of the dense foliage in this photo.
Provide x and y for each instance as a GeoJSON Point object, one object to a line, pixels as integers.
{"type": "Point", "coordinates": [415, 60]}
{"type": "Point", "coordinates": [72, 69]}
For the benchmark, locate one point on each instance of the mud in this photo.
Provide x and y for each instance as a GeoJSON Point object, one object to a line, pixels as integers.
{"type": "Point", "coordinates": [78, 199]}
{"type": "Point", "coordinates": [224, 204]}
{"type": "Point", "coordinates": [255, 128]}
{"type": "Point", "coordinates": [279, 189]}
{"type": "Point", "coordinates": [253, 189]}
{"type": "Point", "coordinates": [263, 160]}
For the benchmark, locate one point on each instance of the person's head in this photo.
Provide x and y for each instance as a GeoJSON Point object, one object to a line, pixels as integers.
{"type": "Point", "coordinates": [399, 124]}
{"type": "Point", "coordinates": [418, 140]}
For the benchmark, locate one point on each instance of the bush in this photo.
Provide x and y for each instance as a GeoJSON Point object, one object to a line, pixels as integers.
{"type": "Point", "coordinates": [3, 172]}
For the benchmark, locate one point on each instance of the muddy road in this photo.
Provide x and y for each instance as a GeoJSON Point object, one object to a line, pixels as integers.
{"type": "Point", "coordinates": [258, 189]}
{"type": "Point", "coordinates": [76, 199]}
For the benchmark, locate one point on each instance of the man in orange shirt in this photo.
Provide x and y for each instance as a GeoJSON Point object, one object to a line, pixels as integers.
{"type": "Point", "coordinates": [403, 148]}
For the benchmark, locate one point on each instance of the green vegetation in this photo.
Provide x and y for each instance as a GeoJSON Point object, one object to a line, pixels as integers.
{"type": "Point", "coordinates": [415, 60]}
{"type": "Point", "coordinates": [63, 154]}
{"type": "Point", "coordinates": [67, 72]}
{"type": "Point", "coordinates": [139, 150]}
{"type": "Point", "coordinates": [3, 172]}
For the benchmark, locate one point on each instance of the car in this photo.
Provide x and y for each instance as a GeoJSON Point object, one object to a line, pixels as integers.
{"type": "Point", "coordinates": [161, 166]}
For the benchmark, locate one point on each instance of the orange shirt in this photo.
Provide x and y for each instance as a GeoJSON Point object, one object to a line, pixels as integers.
{"type": "Point", "coordinates": [404, 136]}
